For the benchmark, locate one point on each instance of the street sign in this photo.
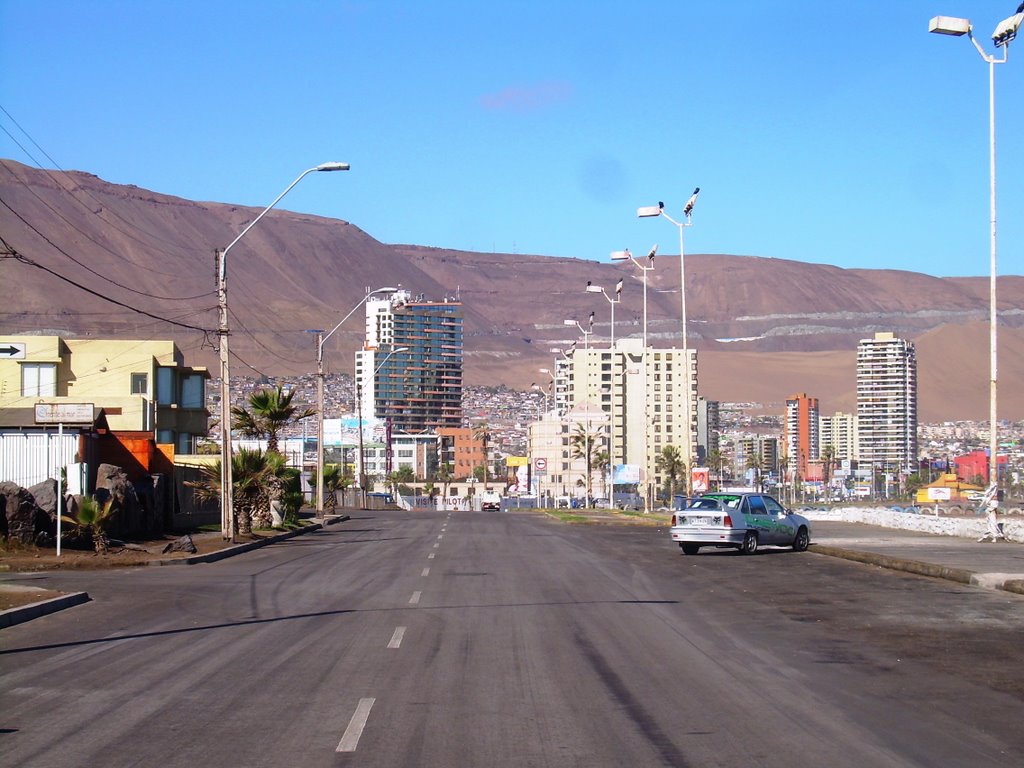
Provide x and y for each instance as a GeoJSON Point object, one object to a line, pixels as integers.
{"type": "Point", "coordinates": [542, 464]}
{"type": "Point", "coordinates": [64, 413]}
{"type": "Point", "coordinates": [12, 350]}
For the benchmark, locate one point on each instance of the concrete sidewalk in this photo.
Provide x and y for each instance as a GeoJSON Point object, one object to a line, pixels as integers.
{"type": "Point", "coordinates": [997, 565]}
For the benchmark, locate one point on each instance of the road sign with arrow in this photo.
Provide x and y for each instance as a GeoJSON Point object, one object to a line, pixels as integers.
{"type": "Point", "coordinates": [12, 350]}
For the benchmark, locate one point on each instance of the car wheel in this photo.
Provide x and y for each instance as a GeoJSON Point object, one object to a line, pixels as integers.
{"type": "Point", "coordinates": [802, 540]}
{"type": "Point", "coordinates": [689, 549]}
{"type": "Point", "coordinates": [749, 545]}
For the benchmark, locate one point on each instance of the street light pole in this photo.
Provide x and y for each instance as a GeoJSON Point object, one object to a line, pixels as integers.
{"type": "Point", "coordinates": [591, 288]}
{"type": "Point", "coordinates": [359, 408]}
{"type": "Point", "coordinates": [659, 210]}
{"type": "Point", "coordinates": [1004, 33]}
{"type": "Point", "coordinates": [227, 516]}
{"type": "Point", "coordinates": [622, 256]}
{"type": "Point", "coordinates": [320, 341]}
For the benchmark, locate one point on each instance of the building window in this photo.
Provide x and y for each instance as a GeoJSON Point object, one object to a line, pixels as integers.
{"type": "Point", "coordinates": [192, 391]}
{"type": "Point", "coordinates": [38, 379]}
{"type": "Point", "coordinates": [165, 386]}
{"type": "Point", "coordinates": [140, 383]}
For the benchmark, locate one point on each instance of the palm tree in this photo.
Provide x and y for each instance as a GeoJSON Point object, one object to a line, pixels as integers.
{"type": "Point", "coordinates": [828, 456]}
{"type": "Point", "coordinates": [444, 477]}
{"type": "Point", "coordinates": [248, 469]}
{"type": "Point", "coordinates": [715, 460]}
{"type": "Point", "coordinates": [584, 445]}
{"type": "Point", "coordinates": [603, 462]}
{"type": "Point", "coordinates": [670, 463]}
{"type": "Point", "coordinates": [94, 518]}
{"type": "Point", "coordinates": [271, 411]}
{"type": "Point", "coordinates": [482, 433]}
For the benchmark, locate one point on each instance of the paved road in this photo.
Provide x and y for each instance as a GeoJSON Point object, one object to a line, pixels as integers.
{"type": "Point", "coordinates": [511, 640]}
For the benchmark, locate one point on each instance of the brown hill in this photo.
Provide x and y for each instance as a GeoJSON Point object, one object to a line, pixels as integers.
{"type": "Point", "coordinates": [766, 328]}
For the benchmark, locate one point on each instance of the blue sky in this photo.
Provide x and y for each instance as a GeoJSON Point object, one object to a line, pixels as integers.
{"type": "Point", "coordinates": [829, 132]}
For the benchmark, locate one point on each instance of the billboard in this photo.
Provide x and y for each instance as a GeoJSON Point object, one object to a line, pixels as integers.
{"type": "Point", "coordinates": [626, 473]}
{"type": "Point", "coordinates": [700, 479]}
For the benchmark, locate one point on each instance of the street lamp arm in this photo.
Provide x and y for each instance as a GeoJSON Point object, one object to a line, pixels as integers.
{"type": "Point", "coordinates": [350, 313]}
{"type": "Point", "coordinates": [301, 176]}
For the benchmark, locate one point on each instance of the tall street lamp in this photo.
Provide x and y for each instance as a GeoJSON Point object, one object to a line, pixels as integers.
{"type": "Point", "coordinates": [659, 210]}
{"type": "Point", "coordinates": [1004, 33]}
{"type": "Point", "coordinates": [227, 511]}
{"type": "Point", "coordinates": [586, 392]}
{"type": "Point", "coordinates": [644, 268]}
{"type": "Point", "coordinates": [320, 341]}
{"type": "Point", "coordinates": [359, 407]}
{"type": "Point", "coordinates": [591, 288]}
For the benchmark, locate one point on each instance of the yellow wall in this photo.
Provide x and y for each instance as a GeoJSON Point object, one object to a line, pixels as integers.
{"type": "Point", "coordinates": [95, 371]}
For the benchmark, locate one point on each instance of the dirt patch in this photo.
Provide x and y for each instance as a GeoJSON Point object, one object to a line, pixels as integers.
{"type": "Point", "coordinates": [130, 554]}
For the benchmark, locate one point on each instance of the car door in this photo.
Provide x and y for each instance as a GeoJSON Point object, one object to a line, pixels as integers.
{"type": "Point", "coordinates": [781, 528]}
{"type": "Point", "coordinates": [757, 518]}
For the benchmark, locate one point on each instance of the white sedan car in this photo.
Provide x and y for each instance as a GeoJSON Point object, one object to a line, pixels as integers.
{"type": "Point", "coordinates": [743, 521]}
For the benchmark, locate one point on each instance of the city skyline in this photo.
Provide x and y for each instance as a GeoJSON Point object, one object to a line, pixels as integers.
{"type": "Point", "coordinates": [816, 132]}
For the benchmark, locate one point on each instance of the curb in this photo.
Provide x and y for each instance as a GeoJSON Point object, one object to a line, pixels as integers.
{"type": "Point", "coordinates": [24, 613]}
{"type": "Point", "coordinates": [239, 549]}
{"type": "Point", "coordinates": [959, 575]}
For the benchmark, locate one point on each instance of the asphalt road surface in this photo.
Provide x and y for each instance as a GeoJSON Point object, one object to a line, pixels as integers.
{"type": "Point", "coordinates": [504, 639]}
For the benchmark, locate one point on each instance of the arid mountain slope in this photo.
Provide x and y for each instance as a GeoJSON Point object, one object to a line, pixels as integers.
{"type": "Point", "coordinates": [765, 328]}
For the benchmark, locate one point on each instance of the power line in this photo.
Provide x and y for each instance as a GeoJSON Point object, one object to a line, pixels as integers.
{"type": "Point", "coordinates": [11, 253]}
{"type": "Point", "coordinates": [104, 209]}
{"type": "Point", "coordinates": [93, 271]}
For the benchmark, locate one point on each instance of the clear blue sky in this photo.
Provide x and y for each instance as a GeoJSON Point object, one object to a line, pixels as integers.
{"type": "Point", "coordinates": [833, 132]}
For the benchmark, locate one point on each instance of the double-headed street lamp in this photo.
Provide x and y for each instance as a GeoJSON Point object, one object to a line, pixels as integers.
{"type": "Point", "coordinates": [227, 511]}
{"type": "Point", "coordinates": [1004, 33]}
{"type": "Point", "coordinates": [644, 269]}
{"type": "Point", "coordinates": [659, 210]}
{"type": "Point", "coordinates": [321, 339]}
{"type": "Point", "coordinates": [591, 288]}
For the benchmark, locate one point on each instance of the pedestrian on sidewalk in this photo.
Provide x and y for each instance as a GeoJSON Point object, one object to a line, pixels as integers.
{"type": "Point", "coordinates": [995, 528]}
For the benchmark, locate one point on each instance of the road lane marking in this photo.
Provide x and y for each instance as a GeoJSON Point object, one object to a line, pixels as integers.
{"type": "Point", "coordinates": [415, 597]}
{"type": "Point", "coordinates": [350, 740]}
{"type": "Point", "coordinates": [396, 639]}
{"type": "Point", "coordinates": [426, 572]}
{"type": "Point", "coordinates": [436, 546]}
{"type": "Point", "coordinates": [431, 556]}
{"type": "Point", "coordinates": [440, 536]}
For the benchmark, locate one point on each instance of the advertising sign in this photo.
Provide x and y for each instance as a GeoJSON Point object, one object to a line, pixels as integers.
{"type": "Point", "coordinates": [700, 479]}
{"type": "Point", "coordinates": [940, 494]}
{"type": "Point", "coordinates": [626, 473]}
{"type": "Point", "coordinates": [64, 413]}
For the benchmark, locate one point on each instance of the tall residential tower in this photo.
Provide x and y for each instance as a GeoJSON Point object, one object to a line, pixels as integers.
{"type": "Point", "coordinates": [887, 402]}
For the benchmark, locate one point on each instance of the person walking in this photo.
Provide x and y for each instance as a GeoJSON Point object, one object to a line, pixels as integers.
{"type": "Point", "coordinates": [995, 528]}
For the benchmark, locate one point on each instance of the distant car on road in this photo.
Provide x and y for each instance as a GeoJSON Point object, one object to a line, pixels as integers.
{"type": "Point", "coordinates": [743, 521]}
{"type": "Point", "coordinates": [490, 501]}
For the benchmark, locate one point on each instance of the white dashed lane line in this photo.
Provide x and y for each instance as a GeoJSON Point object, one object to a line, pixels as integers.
{"type": "Point", "coordinates": [396, 639]}
{"type": "Point", "coordinates": [426, 572]}
{"type": "Point", "coordinates": [350, 740]}
{"type": "Point", "coordinates": [415, 599]}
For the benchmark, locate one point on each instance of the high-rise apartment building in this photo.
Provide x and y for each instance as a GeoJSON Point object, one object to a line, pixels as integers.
{"type": "Point", "coordinates": [887, 402]}
{"type": "Point", "coordinates": [838, 432]}
{"type": "Point", "coordinates": [420, 388]}
{"type": "Point", "coordinates": [708, 429]}
{"type": "Point", "coordinates": [800, 432]}
{"type": "Point", "coordinates": [642, 412]}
